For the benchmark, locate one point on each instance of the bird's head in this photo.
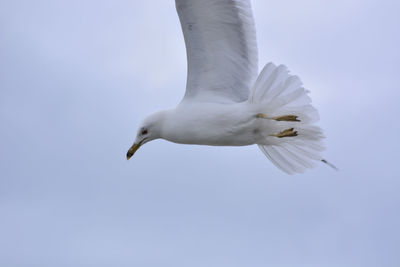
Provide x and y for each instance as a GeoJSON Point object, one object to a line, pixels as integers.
{"type": "Point", "coordinates": [149, 129]}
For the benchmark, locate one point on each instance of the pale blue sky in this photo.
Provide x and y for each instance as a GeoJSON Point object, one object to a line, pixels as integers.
{"type": "Point", "coordinates": [76, 78]}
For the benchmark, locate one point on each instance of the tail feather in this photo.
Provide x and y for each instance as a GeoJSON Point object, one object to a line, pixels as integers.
{"type": "Point", "coordinates": [275, 82]}
{"type": "Point", "coordinates": [291, 158]}
{"type": "Point", "coordinates": [278, 160]}
{"type": "Point", "coordinates": [278, 93]}
{"type": "Point", "coordinates": [300, 159]}
{"type": "Point", "coordinates": [309, 151]}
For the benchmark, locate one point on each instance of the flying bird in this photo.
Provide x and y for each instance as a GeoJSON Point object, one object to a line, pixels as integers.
{"type": "Point", "coordinates": [227, 103]}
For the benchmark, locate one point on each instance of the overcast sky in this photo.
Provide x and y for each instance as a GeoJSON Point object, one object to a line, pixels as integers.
{"type": "Point", "coordinates": [77, 77]}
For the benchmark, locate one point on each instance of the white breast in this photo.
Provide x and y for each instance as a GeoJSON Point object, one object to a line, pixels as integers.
{"type": "Point", "coordinates": [211, 124]}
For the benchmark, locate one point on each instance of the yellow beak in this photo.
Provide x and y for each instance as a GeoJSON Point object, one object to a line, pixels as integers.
{"type": "Point", "coordinates": [132, 150]}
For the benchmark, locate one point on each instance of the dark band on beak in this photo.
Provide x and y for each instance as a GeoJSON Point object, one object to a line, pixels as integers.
{"type": "Point", "coordinates": [132, 150]}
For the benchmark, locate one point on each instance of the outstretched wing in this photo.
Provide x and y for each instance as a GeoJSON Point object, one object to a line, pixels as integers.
{"type": "Point", "coordinates": [221, 49]}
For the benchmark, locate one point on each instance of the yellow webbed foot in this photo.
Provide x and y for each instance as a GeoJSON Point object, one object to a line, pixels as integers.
{"type": "Point", "coordinates": [286, 118]}
{"type": "Point", "coordinates": [286, 133]}
{"type": "Point", "coordinates": [278, 118]}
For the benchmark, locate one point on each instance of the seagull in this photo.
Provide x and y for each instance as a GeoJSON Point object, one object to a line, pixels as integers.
{"type": "Point", "coordinates": [227, 102]}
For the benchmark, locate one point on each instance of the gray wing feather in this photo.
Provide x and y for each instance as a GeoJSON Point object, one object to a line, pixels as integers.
{"type": "Point", "coordinates": [221, 49]}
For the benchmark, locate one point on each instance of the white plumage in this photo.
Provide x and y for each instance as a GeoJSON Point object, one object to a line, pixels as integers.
{"type": "Point", "coordinates": [225, 104]}
{"type": "Point", "coordinates": [221, 49]}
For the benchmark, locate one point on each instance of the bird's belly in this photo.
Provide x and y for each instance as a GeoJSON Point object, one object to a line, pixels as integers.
{"type": "Point", "coordinates": [216, 139]}
{"type": "Point", "coordinates": [232, 126]}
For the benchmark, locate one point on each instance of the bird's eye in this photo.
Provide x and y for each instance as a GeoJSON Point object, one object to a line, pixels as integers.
{"type": "Point", "coordinates": [144, 131]}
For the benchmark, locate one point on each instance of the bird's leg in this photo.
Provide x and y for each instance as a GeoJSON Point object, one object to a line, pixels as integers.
{"type": "Point", "coordinates": [286, 118]}
{"type": "Point", "coordinates": [285, 133]}
{"type": "Point", "coordinates": [278, 118]}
